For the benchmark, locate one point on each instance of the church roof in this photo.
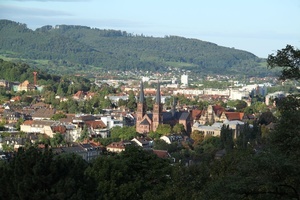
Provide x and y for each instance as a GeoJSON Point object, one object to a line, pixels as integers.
{"type": "Point", "coordinates": [184, 116]}
{"type": "Point", "coordinates": [179, 115]}
{"type": "Point", "coordinates": [144, 122]}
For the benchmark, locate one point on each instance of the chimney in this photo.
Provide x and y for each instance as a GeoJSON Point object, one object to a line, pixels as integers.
{"type": "Point", "coordinates": [34, 77]}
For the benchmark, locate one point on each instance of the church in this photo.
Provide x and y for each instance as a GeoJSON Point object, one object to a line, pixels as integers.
{"type": "Point", "coordinates": [146, 121]}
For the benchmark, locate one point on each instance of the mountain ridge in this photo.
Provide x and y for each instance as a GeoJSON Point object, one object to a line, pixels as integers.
{"type": "Point", "coordinates": [82, 47]}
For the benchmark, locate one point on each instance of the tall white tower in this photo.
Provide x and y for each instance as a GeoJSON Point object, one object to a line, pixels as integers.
{"type": "Point", "coordinates": [184, 80]}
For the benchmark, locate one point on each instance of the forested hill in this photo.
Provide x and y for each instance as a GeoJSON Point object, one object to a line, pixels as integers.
{"type": "Point", "coordinates": [79, 47]}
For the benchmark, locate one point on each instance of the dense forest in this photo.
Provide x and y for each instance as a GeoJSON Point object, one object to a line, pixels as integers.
{"type": "Point", "coordinates": [81, 48]}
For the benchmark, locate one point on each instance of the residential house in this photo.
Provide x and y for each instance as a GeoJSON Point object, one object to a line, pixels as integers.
{"type": "Point", "coordinates": [111, 122]}
{"type": "Point", "coordinates": [81, 95]}
{"type": "Point", "coordinates": [11, 116]}
{"type": "Point", "coordinates": [72, 132]}
{"type": "Point", "coordinates": [38, 126]}
{"type": "Point", "coordinates": [117, 147]}
{"type": "Point", "coordinates": [163, 154]}
{"type": "Point", "coordinates": [43, 114]}
{"type": "Point", "coordinates": [144, 142]}
{"type": "Point", "coordinates": [171, 138]}
{"type": "Point", "coordinates": [97, 128]}
{"type": "Point", "coordinates": [4, 84]}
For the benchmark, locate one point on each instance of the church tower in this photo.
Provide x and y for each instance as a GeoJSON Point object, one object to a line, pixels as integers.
{"type": "Point", "coordinates": [141, 106]}
{"type": "Point", "coordinates": [157, 110]}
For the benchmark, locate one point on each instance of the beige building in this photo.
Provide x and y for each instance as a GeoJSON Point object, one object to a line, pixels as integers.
{"type": "Point", "coordinates": [26, 86]}
{"type": "Point", "coordinates": [117, 146]}
{"type": "Point", "coordinates": [38, 126]}
{"type": "Point", "coordinates": [215, 129]}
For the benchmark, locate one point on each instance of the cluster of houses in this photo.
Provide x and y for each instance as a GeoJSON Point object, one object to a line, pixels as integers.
{"type": "Point", "coordinates": [37, 119]}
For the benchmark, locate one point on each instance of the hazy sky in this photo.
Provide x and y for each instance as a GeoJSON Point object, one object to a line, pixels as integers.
{"type": "Point", "coordinates": [258, 26]}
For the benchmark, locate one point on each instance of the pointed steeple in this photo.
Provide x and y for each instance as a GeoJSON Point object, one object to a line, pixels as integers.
{"type": "Point", "coordinates": [157, 98]}
{"type": "Point", "coordinates": [173, 107]}
{"type": "Point", "coordinates": [141, 99]}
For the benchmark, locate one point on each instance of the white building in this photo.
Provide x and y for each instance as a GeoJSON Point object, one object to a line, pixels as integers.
{"type": "Point", "coordinates": [210, 91]}
{"type": "Point", "coordinates": [184, 80]}
{"type": "Point", "coordinates": [188, 92]}
{"type": "Point", "coordinates": [274, 95]}
{"type": "Point", "coordinates": [110, 122]}
{"type": "Point", "coordinates": [238, 94]}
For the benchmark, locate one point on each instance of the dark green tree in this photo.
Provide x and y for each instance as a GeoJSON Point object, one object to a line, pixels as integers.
{"type": "Point", "coordinates": [57, 140]}
{"type": "Point", "coordinates": [123, 133]}
{"type": "Point", "coordinates": [288, 59]}
{"type": "Point", "coordinates": [132, 174]}
{"type": "Point", "coordinates": [178, 128]}
{"type": "Point", "coordinates": [227, 138]}
{"type": "Point", "coordinates": [164, 129]}
{"type": "Point", "coordinates": [131, 104]}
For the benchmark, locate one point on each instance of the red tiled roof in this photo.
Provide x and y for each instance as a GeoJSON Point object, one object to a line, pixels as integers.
{"type": "Point", "coordinates": [116, 145]}
{"type": "Point", "coordinates": [96, 124]}
{"type": "Point", "coordinates": [161, 153]}
{"type": "Point", "coordinates": [16, 98]}
{"type": "Point", "coordinates": [218, 109]}
{"type": "Point", "coordinates": [196, 114]}
{"type": "Point", "coordinates": [28, 122]}
{"type": "Point", "coordinates": [234, 115]}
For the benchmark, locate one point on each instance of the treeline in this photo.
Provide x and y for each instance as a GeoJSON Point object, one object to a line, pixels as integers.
{"type": "Point", "coordinates": [19, 72]}
{"type": "Point", "coordinates": [119, 50]}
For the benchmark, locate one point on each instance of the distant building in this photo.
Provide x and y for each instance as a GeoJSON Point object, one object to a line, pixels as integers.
{"type": "Point", "coordinates": [26, 86]}
{"type": "Point", "coordinates": [184, 80]}
{"type": "Point", "coordinates": [5, 84]}
{"type": "Point", "coordinates": [117, 146]}
{"type": "Point", "coordinates": [215, 129]}
{"type": "Point", "coordinates": [273, 96]}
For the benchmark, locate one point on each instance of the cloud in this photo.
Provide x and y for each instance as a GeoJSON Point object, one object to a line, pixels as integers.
{"type": "Point", "coordinates": [7, 10]}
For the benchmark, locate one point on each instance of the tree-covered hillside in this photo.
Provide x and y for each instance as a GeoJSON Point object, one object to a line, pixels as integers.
{"type": "Point", "coordinates": [81, 47]}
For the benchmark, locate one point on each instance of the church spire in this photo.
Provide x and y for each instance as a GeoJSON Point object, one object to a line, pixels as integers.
{"type": "Point", "coordinates": [141, 99]}
{"type": "Point", "coordinates": [173, 107]}
{"type": "Point", "coordinates": [157, 99]}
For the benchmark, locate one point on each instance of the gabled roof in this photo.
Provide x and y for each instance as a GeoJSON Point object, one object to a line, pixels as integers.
{"type": "Point", "coordinates": [16, 98]}
{"type": "Point", "coordinates": [196, 114]}
{"type": "Point", "coordinates": [96, 124]}
{"type": "Point", "coordinates": [117, 145]}
{"type": "Point", "coordinates": [184, 116]}
{"type": "Point", "coordinates": [44, 113]}
{"type": "Point", "coordinates": [28, 122]}
{"type": "Point", "coordinates": [144, 122]}
{"type": "Point", "coordinates": [218, 110]}
{"type": "Point", "coordinates": [161, 153]}
{"type": "Point", "coordinates": [79, 94]}
{"type": "Point", "coordinates": [39, 105]}
{"type": "Point", "coordinates": [234, 115]}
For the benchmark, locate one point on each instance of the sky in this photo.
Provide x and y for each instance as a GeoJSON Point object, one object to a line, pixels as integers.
{"type": "Point", "coordinates": [259, 26]}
